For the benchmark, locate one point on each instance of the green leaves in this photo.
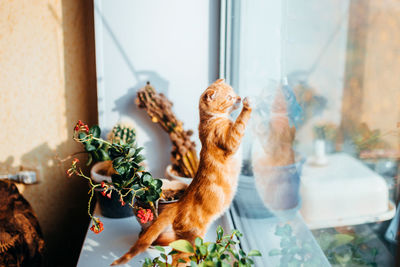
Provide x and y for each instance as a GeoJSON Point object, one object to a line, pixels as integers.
{"type": "Point", "coordinates": [95, 146]}
{"type": "Point", "coordinates": [146, 178]}
{"type": "Point", "coordinates": [254, 253]}
{"type": "Point", "coordinates": [159, 248]}
{"type": "Point", "coordinates": [352, 249]}
{"type": "Point", "coordinates": [274, 252]}
{"type": "Point", "coordinates": [212, 248]}
{"type": "Point", "coordinates": [209, 254]}
{"type": "Point", "coordinates": [220, 232]}
{"type": "Point", "coordinates": [342, 239]}
{"type": "Point", "coordinates": [293, 252]}
{"type": "Point", "coordinates": [284, 230]}
{"type": "Point", "coordinates": [182, 246]}
{"type": "Point", "coordinates": [95, 131]}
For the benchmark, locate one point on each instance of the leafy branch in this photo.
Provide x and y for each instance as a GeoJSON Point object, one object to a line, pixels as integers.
{"type": "Point", "coordinates": [223, 252]}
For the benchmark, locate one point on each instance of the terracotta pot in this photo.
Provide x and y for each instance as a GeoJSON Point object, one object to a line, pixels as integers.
{"type": "Point", "coordinates": [160, 206]}
{"type": "Point", "coordinates": [109, 207]}
{"type": "Point", "coordinates": [144, 205]}
{"type": "Point", "coordinates": [169, 173]}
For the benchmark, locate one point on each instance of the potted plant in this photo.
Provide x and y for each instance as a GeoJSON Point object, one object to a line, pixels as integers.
{"type": "Point", "coordinates": [129, 180]}
{"type": "Point", "coordinates": [295, 249]}
{"type": "Point", "coordinates": [102, 170]}
{"type": "Point", "coordinates": [183, 156]}
{"type": "Point", "coordinates": [276, 166]}
{"type": "Point", "coordinates": [172, 190]}
{"type": "Point", "coordinates": [223, 252]}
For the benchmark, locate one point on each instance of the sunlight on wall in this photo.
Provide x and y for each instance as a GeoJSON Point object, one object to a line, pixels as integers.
{"type": "Point", "coordinates": [47, 83]}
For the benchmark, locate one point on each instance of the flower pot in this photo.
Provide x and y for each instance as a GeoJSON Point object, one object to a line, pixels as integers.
{"type": "Point", "coordinates": [138, 205]}
{"type": "Point", "coordinates": [160, 205]}
{"type": "Point", "coordinates": [109, 207]}
{"type": "Point", "coordinates": [278, 186]}
{"type": "Point", "coordinates": [171, 175]}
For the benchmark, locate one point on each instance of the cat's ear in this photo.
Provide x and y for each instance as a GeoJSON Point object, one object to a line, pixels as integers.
{"type": "Point", "coordinates": [219, 81]}
{"type": "Point", "coordinates": [209, 95]}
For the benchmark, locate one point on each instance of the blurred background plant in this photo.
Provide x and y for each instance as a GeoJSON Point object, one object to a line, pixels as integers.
{"type": "Point", "coordinates": [293, 251]}
{"type": "Point", "coordinates": [347, 248]}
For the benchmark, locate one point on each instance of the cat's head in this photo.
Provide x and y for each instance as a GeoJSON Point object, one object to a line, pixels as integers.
{"type": "Point", "coordinates": [219, 98]}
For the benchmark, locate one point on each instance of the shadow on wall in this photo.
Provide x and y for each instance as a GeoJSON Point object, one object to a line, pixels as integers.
{"type": "Point", "coordinates": [126, 108]}
{"type": "Point", "coordinates": [60, 203]}
{"type": "Point", "coordinates": [81, 103]}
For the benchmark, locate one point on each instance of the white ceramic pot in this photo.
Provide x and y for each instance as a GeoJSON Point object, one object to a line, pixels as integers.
{"type": "Point", "coordinates": [94, 172]}
{"type": "Point", "coordinates": [171, 176]}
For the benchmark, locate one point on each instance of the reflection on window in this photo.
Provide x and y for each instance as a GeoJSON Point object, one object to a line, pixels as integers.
{"type": "Point", "coordinates": [321, 160]}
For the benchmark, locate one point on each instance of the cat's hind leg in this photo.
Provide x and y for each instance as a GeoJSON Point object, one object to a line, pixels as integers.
{"type": "Point", "coordinates": [165, 238]}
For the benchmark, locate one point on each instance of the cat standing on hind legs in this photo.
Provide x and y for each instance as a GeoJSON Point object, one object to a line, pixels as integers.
{"type": "Point", "coordinates": [214, 185]}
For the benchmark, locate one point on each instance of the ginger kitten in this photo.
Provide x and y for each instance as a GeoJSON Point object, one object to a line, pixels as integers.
{"type": "Point", "coordinates": [275, 184]}
{"type": "Point", "coordinates": [214, 185]}
{"type": "Point", "coordinates": [278, 145]}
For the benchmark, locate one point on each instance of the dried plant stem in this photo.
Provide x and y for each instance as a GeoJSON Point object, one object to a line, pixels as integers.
{"type": "Point", "coordinates": [159, 108]}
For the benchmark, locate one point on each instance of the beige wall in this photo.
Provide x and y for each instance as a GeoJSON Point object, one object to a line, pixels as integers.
{"type": "Point", "coordinates": [381, 96]}
{"type": "Point", "coordinates": [372, 90]}
{"type": "Point", "coordinates": [47, 83]}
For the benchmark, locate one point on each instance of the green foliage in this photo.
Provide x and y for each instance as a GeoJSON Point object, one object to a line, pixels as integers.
{"type": "Point", "coordinates": [222, 253]}
{"type": "Point", "coordinates": [97, 150]}
{"type": "Point", "coordinates": [182, 246]}
{"type": "Point", "coordinates": [130, 180]}
{"type": "Point", "coordinates": [123, 134]}
{"type": "Point", "coordinates": [346, 249]}
{"type": "Point", "coordinates": [292, 251]}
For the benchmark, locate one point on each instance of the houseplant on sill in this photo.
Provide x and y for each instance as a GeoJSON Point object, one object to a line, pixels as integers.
{"type": "Point", "coordinates": [183, 155]}
{"type": "Point", "coordinates": [223, 252]}
{"type": "Point", "coordinates": [102, 169]}
{"type": "Point", "coordinates": [129, 181]}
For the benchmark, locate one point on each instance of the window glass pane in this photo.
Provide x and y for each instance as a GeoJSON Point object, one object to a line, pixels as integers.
{"type": "Point", "coordinates": [321, 158]}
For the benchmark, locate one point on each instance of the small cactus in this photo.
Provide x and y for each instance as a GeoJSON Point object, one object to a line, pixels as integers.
{"type": "Point", "coordinates": [122, 133]}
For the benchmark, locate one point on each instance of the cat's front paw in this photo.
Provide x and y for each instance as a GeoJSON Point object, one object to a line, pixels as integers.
{"type": "Point", "coordinates": [247, 103]}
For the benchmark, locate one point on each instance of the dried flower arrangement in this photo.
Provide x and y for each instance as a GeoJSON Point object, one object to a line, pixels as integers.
{"type": "Point", "coordinates": [184, 157]}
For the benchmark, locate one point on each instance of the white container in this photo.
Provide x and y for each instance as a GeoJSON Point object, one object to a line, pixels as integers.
{"type": "Point", "coordinates": [344, 192]}
{"type": "Point", "coordinates": [171, 176]}
{"type": "Point", "coordinates": [94, 172]}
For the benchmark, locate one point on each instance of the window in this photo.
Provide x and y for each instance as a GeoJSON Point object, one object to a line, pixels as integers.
{"type": "Point", "coordinates": [321, 158]}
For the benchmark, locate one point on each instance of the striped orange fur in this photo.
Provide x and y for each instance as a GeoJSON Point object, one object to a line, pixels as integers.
{"type": "Point", "coordinates": [214, 185]}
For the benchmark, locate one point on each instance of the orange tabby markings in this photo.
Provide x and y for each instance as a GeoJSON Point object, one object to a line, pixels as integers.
{"type": "Point", "coordinates": [214, 185]}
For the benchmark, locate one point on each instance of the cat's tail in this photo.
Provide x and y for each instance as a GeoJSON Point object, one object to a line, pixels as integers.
{"type": "Point", "coordinates": [150, 235]}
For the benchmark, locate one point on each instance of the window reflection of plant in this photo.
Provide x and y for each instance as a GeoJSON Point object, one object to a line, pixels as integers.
{"type": "Point", "coordinates": [366, 139]}
{"type": "Point", "coordinates": [294, 251]}
{"type": "Point", "coordinates": [312, 103]}
{"type": "Point", "coordinates": [362, 137]}
{"type": "Point", "coordinates": [346, 249]}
